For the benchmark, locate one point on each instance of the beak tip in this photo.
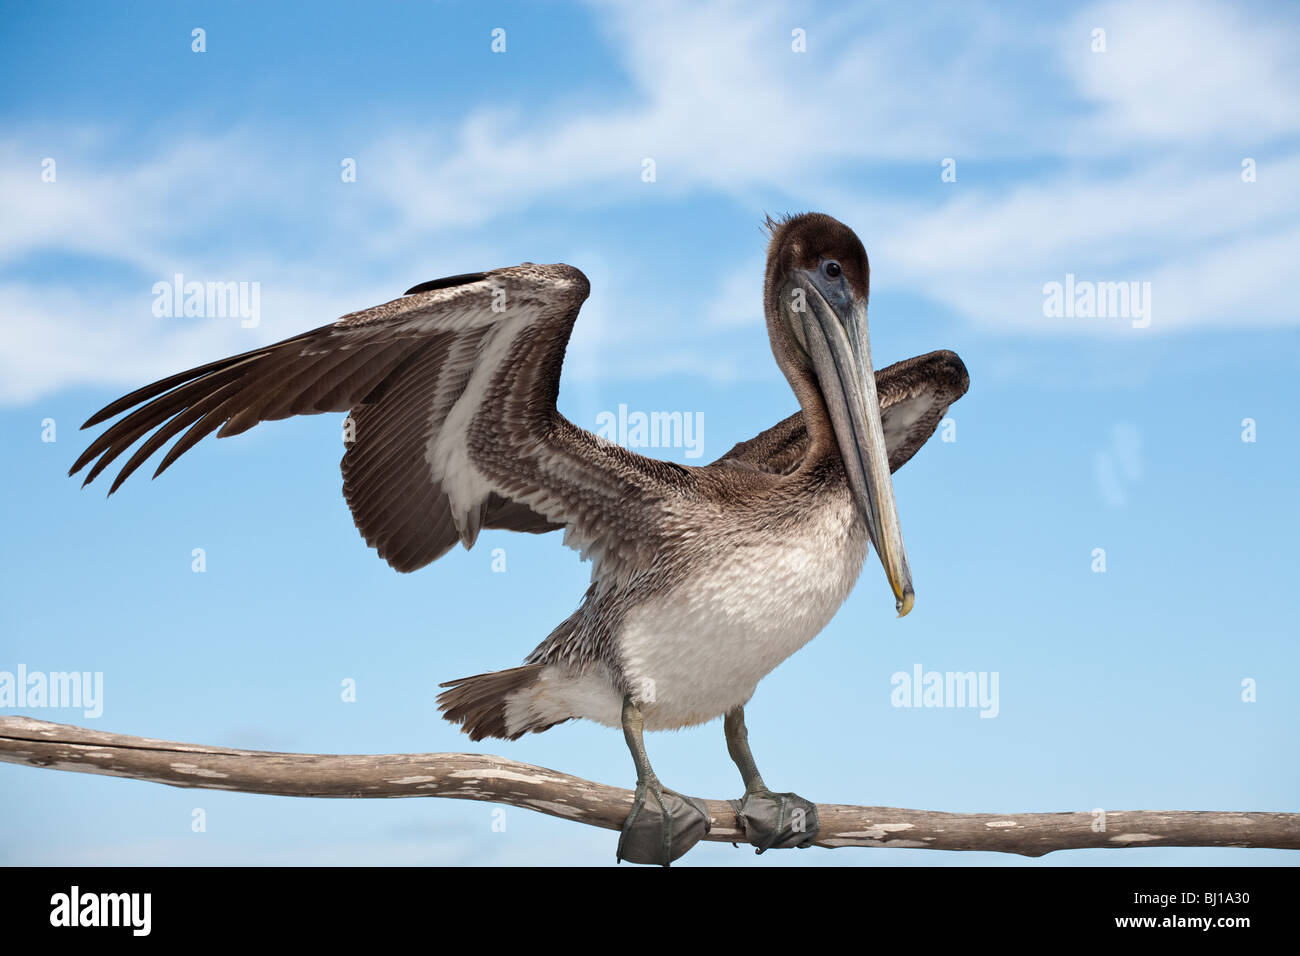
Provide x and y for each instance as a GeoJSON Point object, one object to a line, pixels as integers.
{"type": "Point", "coordinates": [904, 604]}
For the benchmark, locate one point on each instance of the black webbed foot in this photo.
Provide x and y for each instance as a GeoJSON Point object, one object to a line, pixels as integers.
{"type": "Point", "coordinates": [777, 821]}
{"type": "Point", "coordinates": [663, 827]}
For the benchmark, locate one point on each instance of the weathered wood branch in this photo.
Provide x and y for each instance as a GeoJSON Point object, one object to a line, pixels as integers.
{"type": "Point", "coordinates": [38, 743]}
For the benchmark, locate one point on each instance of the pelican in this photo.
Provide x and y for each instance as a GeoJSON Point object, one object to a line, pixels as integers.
{"type": "Point", "coordinates": [703, 579]}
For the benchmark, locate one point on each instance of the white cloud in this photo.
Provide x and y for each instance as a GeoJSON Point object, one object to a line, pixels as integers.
{"type": "Point", "coordinates": [1214, 248]}
{"type": "Point", "coordinates": [1119, 174]}
{"type": "Point", "coordinates": [1185, 71]}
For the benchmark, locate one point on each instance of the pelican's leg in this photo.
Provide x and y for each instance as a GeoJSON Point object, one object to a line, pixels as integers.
{"type": "Point", "coordinates": [662, 829]}
{"type": "Point", "coordinates": [770, 820]}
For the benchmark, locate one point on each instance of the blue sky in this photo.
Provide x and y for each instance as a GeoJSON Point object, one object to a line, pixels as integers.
{"type": "Point", "coordinates": [1118, 690]}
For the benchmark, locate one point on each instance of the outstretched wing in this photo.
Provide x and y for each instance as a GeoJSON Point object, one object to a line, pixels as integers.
{"type": "Point", "coordinates": [454, 427]}
{"type": "Point", "coordinates": [914, 396]}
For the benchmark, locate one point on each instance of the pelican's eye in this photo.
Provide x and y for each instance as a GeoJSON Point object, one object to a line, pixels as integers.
{"type": "Point", "coordinates": [832, 269]}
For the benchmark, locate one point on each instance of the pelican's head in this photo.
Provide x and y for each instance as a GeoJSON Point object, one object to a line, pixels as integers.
{"type": "Point", "coordinates": [816, 303]}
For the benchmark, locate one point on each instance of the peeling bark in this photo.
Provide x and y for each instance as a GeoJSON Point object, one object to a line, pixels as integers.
{"type": "Point", "coordinates": [38, 743]}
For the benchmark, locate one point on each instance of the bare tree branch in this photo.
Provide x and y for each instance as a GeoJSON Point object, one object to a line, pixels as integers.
{"type": "Point", "coordinates": [38, 743]}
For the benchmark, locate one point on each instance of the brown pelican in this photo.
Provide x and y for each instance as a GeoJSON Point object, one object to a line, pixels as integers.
{"type": "Point", "coordinates": [703, 579]}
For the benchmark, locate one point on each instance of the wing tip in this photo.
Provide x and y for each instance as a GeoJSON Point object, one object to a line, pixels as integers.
{"type": "Point", "coordinates": [958, 374]}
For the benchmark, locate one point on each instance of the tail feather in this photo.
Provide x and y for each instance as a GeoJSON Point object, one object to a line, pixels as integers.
{"type": "Point", "coordinates": [479, 703]}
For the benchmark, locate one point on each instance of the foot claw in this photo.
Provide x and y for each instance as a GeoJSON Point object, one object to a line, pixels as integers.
{"type": "Point", "coordinates": [777, 820]}
{"type": "Point", "coordinates": [661, 829]}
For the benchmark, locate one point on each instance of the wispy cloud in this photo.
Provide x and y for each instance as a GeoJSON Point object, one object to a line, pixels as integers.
{"type": "Point", "coordinates": [1185, 73]}
{"type": "Point", "coordinates": [1114, 166]}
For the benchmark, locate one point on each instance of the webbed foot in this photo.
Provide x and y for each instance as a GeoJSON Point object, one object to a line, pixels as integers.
{"type": "Point", "coordinates": [777, 821]}
{"type": "Point", "coordinates": [663, 827]}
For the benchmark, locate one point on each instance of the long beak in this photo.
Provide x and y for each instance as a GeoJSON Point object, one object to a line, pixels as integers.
{"type": "Point", "coordinates": [841, 354]}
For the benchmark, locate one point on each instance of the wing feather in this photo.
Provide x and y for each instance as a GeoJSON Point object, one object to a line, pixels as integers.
{"type": "Point", "coordinates": [418, 374]}
{"type": "Point", "coordinates": [914, 396]}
